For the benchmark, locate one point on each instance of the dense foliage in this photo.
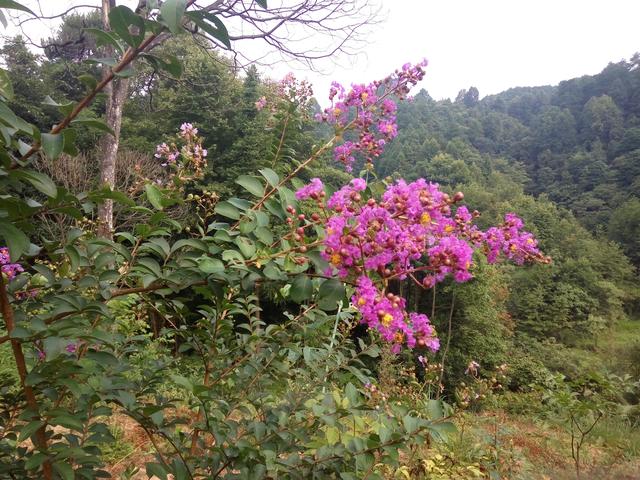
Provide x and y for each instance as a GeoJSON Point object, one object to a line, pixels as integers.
{"type": "Point", "coordinates": [261, 313]}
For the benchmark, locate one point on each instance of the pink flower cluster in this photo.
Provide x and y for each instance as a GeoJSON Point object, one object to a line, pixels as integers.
{"type": "Point", "coordinates": [186, 156]}
{"type": "Point", "coordinates": [6, 267]}
{"type": "Point", "coordinates": [511, 241]}
{"type": "Point", "coordinates": [188, 131]}
{"type": "Point", "coordinates": [297, 91]}
{"type": "Point", "coordinates": [370, 111]}
{"type": "Point", "coordinates": [410, 232]}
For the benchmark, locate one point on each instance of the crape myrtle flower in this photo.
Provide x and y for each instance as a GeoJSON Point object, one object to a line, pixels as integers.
{"type": "Point", "coordinates": [312, 190]}
{"type": "Point", "coordinates": [10, 270]}
{"type": "Point", "coordinates": [416, 231]}
{"type": "Point", "coordinates": [369, 111]}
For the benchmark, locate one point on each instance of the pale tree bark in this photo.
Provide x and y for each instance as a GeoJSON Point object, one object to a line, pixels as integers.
{"type": "Point", "coordinates": [116, 93]}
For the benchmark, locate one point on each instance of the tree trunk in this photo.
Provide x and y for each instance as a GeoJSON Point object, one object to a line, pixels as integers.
{"type": "Point", "coordinates": [116, 93]}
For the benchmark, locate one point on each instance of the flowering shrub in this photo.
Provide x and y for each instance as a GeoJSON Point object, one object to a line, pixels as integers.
{"type": "Point", "coordinates": [265, 401]}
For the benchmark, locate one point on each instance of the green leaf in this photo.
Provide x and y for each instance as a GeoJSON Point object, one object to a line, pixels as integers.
{"type": "Point", "coordinates": [17, 242]}
{"type": "Point", "coordinates": [125, 72]}
{"type": "Point", "coordinates": [74, 257]}
{"type": "Point", "coordinates": [103, 39]}
{"type": "Point", "coordinates": [15, 6]}
{"type": "Point", "coordinates": [35, 461]}
{"type": "Point", "coordinates": [443, 431]}
{"type": "Point", "coordinates": [287, 197]}
{"type": "Point", "coordinates": [330, 293]}
{"type": "Point", "coordinates": [7, 116]}
{"type": "Point", "coordinates": [333, 435]}
{"type": "Point", "coordinates": [52, 144]}
{"type": "Point", "coordinates": [69, 142]}
{"type": "Point", "coordinates": [435, 409]}
{"type": "Point", "coordinates": [64, 108]}
{"type": "Point", "coordinates": [89, 80]}
{"type": "Point", "coordinates": [172, 12]}
{"type": "Point", "coordinates": [301, 288]}
{"type": "Point", "coordinates": [94, 123]}
{"type": "Point", "coordinates": [121, 19]}
{"type": "Point", "coordinates": [29, 429]}
{"type": "Point", "coordinates": [6, 89]}
{"type": "Point", "coordinates": [262, 3]}
{"type": "Point", "coordinates": [227, 210]}
{"type": "Point", "coordinates": [106, 193]}
{"type": "Point", "coordinates": [272, 272]}
{"type": "Point", "coordinates": [364, 462]}
{"type": "Point", "coordinates": [212, 25]}
{"type": "Point", "coordinates": [64, 470]}
{"type": "Point", "coordinates": [352, 394]}
{"type": "Point", "coordinates": [154, 195]}
{"type": "Point", "coordinates": [264, 234]}
{"type": "Point", "coordinates": [67, 421]}
{"type": "Point", "coordinates": [246, 246]}
{"type": "Point", "coordinates": [191, 242]}
{"type": "Point", "coordinates": [157, 470]}
{"type": "Point", "coordinates": [411, 424]}
{"type": "Point", "coordinates": [40, 181]}
{"type": "Point", "coordinates": [173, 65]}
{"type": "Point", "coordinates": [271, 176]}
{"type": "Point", "coordinates": [251, 184]}
{"type": "Point", "coordinates": [109, 61]}
{"type": "Point", "coordinates": [210, 265]}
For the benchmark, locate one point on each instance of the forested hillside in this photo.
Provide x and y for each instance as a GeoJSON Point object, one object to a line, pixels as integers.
{"type": "Point", "coordinates": [388, 287]}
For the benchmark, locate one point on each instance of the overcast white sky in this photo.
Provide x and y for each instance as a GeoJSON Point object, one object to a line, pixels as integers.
{"type": "Point", "coordinates": [490, 44]}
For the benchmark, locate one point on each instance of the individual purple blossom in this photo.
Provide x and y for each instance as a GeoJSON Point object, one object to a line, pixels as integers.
{"type": "Point", "coordinates": [344, 154]}
{"type": "Point", "coordinates": [11, 270]}
{"type": "Point", "coordinates": [71, 348]}
{"type": "Point", "coordinates": [311, 190]}
{"type": "Point", "coordinates": [344, 197]}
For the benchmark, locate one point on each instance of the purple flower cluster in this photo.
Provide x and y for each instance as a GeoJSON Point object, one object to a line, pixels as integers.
{"type": "Point", "coordinates": [170, 154]}
{"type": "Point", "coordinates": [6, 267]}
{"type": "Point", "coordinates": [312, 190]}
{"type": "Point", "coordinates": [293, 89]}
{"type": "Point", "coordinates": [411, 232]}
{"type": "Point", "coordinates": [370, 112]}
{"type": "Point", "coordinates": [387, 315]}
